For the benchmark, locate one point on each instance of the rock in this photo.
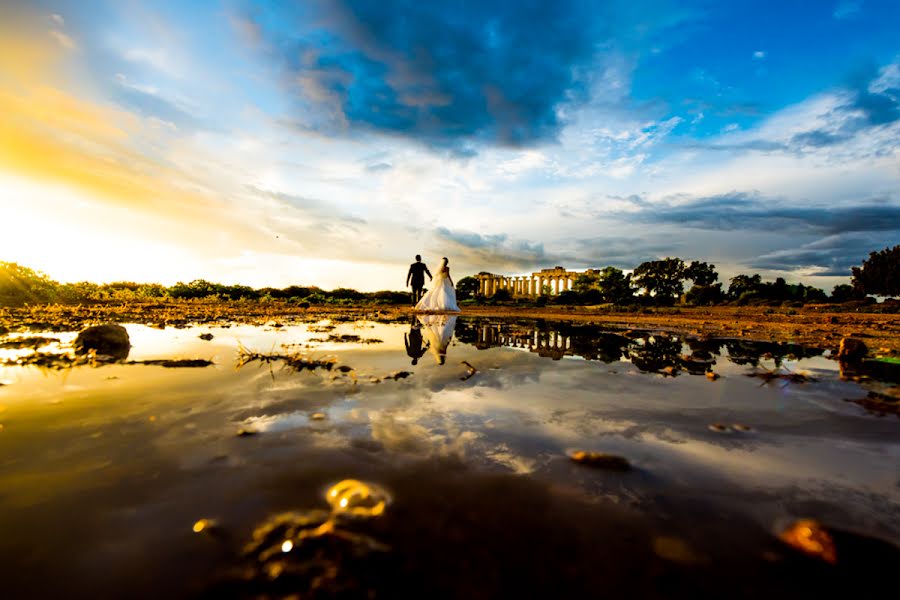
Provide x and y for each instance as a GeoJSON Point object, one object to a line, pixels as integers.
{"type": "Point", "coordinates": [718, 427]}
{"type": "Point", "coordinates": [600, 460]}
{"type": "Point", "coordinates": [206, 336]}
{"type": "Point", "coordinates": [851, 350]}
{"type": "Point", "coordinates": [109, 339]}
{"type": "Point", "coordinates": [711, 375]}
{"type": "Point", "coordinates": [810, 537]}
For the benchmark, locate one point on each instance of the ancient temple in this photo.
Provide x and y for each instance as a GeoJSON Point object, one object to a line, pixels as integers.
{"type": "Point", "coordinates": [550, 281]}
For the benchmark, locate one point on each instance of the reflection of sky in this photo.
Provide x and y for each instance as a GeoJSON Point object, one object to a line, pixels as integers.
{"type": "Point", "coordinates": [520, 413]}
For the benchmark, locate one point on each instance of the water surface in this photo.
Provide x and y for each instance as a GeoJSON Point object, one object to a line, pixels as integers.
{"type": "Point", "coordinates": [467, 425]}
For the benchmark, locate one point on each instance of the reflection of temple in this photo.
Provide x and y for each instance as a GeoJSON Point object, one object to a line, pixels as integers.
{"type": "Point", "coordinates": [654, 352]}
{"type": "Point", "coordinates": [550, 344]}
{"type": "Point", "coordinates": [556, 279]}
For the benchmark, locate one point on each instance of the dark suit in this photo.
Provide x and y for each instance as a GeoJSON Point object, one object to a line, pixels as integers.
{"type": "Point", "coordinates": [416, 278]}
{"type": "Point", "coordinates": [414, 347]}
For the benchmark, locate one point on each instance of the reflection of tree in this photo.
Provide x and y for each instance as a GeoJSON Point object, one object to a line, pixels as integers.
{"type": "Point", "coordinates": [550, 340]}
{"type": "Point", "coordinates": [704, 349]}
{"type": "Point", "coordinates": [654, 353]}
{"type": "Point", "coordinates": [746, 352]}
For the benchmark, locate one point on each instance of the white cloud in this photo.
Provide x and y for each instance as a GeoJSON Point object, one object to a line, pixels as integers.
{"type": "Point", "coordinates": [846, 9]}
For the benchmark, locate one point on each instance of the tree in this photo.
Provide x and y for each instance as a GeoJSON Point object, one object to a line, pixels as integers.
{"type": "Point", "coordinates": [701, 273]}
{"type": "Point", "coordinates": [879, 274]}
{"type": "Point", "coordinates": [845, 293]}
{"type": "Point", "coordinates": [467, 287]}
{"type": "Point", "coordinates": [615, 286]}
{"type": "Point", "coordinates": [585, 281]}
{"type": "Point", "coordinates": [742, 284]}
{"type": "Point", "coordinates": [661, 279]}
{"type": "Point", "coordinates": [705, 295]}
{"type": "Point", "coordinates": [20, 284]}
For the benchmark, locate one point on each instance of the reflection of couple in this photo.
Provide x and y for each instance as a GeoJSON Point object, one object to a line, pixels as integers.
{"type": "Point", "coordinates": [438, 331]}
{"type": "Point", "coordinates": [441, 297]}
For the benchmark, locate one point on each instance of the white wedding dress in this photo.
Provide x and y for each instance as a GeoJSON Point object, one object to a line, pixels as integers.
{"type": "Point", "coordinates": [438, 330]}
{"type": "Point", "coordinates": [442, 295]}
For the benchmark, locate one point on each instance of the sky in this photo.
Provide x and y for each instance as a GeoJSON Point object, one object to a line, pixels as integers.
{"type": "Point", "coordinates": [326, 142]}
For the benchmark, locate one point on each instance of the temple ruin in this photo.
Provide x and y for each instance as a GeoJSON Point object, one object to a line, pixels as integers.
{"type": "Point", "coordinates": [549, 281]}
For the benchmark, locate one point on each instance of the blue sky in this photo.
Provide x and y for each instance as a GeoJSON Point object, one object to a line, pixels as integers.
{"type": "Point", "coordinates": [327, 142]}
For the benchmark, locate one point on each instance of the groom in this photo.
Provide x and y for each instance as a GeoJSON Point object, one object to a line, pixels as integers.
{"type": "Point", "coordinates": [416, 276]}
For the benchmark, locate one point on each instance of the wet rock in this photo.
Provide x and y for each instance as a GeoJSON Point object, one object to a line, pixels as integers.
{"type": "Point", "coordinates": [206, 336]}
{"type": "Point", "coordinates": [109, 339]}
{"type": "Point", "coordinates": [810, 537]}
{"type": "Point", "coordinates": [712, 376]}
{"type": "Point", "coordinates": [741, 427]}
{"type": "Point", "coordinates": [470, 371]}
{"type": "Point", "coordinates": [203, 525]}
{"type": "Point", "coordinates": [852, 350]}
{"type": "Point", "coordinates": [600, 460]}
{"type": "Point", "coordinates": [718, 427]}
{"type": "Point", "coordinates": [174, 363]}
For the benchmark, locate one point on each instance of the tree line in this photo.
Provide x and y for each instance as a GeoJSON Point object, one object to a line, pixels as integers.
{"type": "Point", "coordinates": [20, 285]}
{"type": "Point", "coordinates": [662, 283]}
{"type": "Point", "coordinates": [658, 282]}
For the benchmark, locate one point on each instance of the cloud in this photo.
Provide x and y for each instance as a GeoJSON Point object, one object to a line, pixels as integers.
{"type": "Point", "coordinates": [832, 256]}
{"type": "Point", "coordinates": [846, 9]}
{"type": "Point", "coordinates": [150, 102]}
{"type": "Point", "coordinates": [449, 73]}
{"type": "Point", "coordinates": [749, 211]}
{"type": "Point", "coordinates": [496, 250]}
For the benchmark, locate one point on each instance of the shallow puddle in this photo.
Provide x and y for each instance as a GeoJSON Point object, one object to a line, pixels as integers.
{"type": "Point", "coordinates": [468, 426]}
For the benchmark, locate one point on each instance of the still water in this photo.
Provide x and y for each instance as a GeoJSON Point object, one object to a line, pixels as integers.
{"type": "Point", "coordinates": [134, 480]}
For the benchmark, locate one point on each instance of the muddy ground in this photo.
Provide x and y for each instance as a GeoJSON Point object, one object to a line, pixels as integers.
{"type": "Point", "coordinates": [819, 326]}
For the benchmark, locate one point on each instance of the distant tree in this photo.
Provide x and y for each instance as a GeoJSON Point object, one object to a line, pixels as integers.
{"type": "Point", "coordinates": [701, 273]}
{"type": "Point", "coordinates": [585, 281]}
{"type": "Point", "coordinates": [846, 293]}
{"type": "Point", "coordinates": [743, 284]}
{"type": "Point", "coordinates": [705, 295]}
{"type": "Point", "coordinates": [20, 284]}
{"type": "Point", "coordinates": [502, 295]}
{"type": "Point", "coordinates": [879, 274]}
{"type": "Point", "coordinates": [615, 286]}
{"type": "Point", "coordinates": [661, 279]}
{"type": "Point", "coordinates": [467, 287]}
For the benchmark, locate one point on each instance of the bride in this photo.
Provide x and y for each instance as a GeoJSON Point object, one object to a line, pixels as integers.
{"type": "Point", "coordinates": [442, 295]}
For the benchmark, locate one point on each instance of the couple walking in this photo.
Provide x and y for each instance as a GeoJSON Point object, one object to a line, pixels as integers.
{"type": "Point", "coordinates": [441, 297]}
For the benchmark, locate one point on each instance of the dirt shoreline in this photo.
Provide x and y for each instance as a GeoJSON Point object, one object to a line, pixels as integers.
{"type": "Point", "coordinates": [819, 326]}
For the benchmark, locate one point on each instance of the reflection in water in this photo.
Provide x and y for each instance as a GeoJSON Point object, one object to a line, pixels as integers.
{"type": "Point", "coordinates": [654, 352]}
{"type": "Point", "coordinates": [439, 331]}
{"type": "Point", "coordinates": [413, 341]}
{"type": "Point", "coordinates": [484, 501]}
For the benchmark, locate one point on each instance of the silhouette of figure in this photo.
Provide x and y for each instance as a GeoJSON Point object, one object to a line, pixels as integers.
{"type": "Point", "coordinates": [439, 331]}
{"type": "Point", "coordinates": [413, 340]}
{"type": "Point", "coordinates": [416, 277]}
